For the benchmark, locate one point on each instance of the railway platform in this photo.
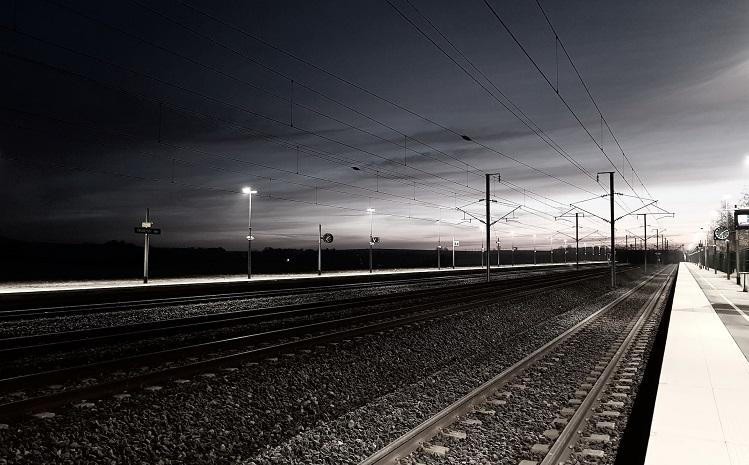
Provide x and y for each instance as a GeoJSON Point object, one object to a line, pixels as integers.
{"type": "Point", "coordinates": [701, 411]}
{"type": "Point", "coordinates": [56, 286]}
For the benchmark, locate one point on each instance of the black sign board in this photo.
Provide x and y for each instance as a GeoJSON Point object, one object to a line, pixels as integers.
{"type": "Point", "coordinates": [741, 219]}
{"type": "Point", "coordinates": [327, 237]}
{"type": "Point", "coordinates": [141, 230]}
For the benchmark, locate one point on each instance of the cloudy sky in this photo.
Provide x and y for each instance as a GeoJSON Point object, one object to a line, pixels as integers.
{"type": "Point", "coordinates": [331, 108]}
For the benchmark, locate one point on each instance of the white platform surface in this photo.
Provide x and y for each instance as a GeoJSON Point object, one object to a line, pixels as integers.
{"type": "Point", "coordinates": [701, 412]}
{"type": "Point", "coordinates": [52, 286]}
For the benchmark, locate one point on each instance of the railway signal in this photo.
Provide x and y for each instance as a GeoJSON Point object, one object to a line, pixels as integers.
{"type": "Point", "coordinates": [146, 228]}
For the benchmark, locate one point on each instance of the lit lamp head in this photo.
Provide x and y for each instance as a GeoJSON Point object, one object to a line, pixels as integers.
{"type": "Point", "coordinates": [248, 190]}
{"type": "Point", "coordinates": [370, 210]}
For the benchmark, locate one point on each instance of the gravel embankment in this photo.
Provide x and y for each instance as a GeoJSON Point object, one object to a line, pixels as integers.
{"type": "Point", "coordinates": [336, 404]}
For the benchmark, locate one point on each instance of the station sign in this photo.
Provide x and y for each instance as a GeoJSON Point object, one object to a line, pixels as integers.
{"type": "Point", "coordinates": [456, 243]}
{"type": "Point", "coordinates": [741, 218]}
{"type": "Point", "coordinates": [149, 230]}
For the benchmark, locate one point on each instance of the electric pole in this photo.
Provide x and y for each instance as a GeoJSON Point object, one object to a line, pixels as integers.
{"type": "Point", "coordinates": [612, 223]}
{"type": "Point", "coordinates": [577, 241]}
{"type": "Point", "coordinates": [488, 223]}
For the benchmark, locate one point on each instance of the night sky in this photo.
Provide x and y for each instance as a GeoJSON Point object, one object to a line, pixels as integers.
{"type": "Point", "coordinates": [111, 107]}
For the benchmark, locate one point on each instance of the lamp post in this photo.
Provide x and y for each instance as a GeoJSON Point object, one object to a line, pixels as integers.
{"type": "Point", "coordinates": [565, 251]}
{"type": "Point", "coordinates": [248, 191]}
{"type": "Point", "coordinates": [499, 249]}
{"type": "Point", "coordinates": [453, 247]}
{"type": "Point", "coordinates": [371, 212]}
{"type": "Point", "coordinates": [439, 246]}
{"type": "Point", "coordinates": [551, 249]}
{"type": "Point", "coordinates": [512, 244]}
{"type": "Point", "coordinates": [534, 249]}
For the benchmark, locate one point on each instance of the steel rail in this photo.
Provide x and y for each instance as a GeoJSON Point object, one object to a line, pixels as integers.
{"type": "Point", "coordinates": [29, 405]}
{"type": "Point", "coordinates": [410, 441]}
{"type": "Point", "coordinates": [24, 345]}
{"type": "Point", "coordinates": [560, 450]}
{"type": "Point", "coordinates": [87, 308]}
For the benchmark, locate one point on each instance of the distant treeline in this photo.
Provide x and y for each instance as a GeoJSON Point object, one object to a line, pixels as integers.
{"type": "Point", "coordinates": [32, 261]}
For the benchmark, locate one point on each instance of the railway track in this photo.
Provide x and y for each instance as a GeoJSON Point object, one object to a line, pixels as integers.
{"type": "Point", "coordinates": [20, 313]}
{"type": "Point", "coordinates": [286, 340]}
{"type": "Point", "coordinates": [22, 346]}
{"type": "Point", "coordinates": [594, 406]}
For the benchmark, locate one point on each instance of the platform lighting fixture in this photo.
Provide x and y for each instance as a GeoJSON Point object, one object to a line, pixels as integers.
{"type": "Point", "coordinates": [371, 212]}
{"type": "Point", "coordinates": [248, 191]}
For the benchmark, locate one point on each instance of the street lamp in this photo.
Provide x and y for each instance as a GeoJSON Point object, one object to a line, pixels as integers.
{"type": "Point", "coordinates": [371, 212]}
{"type": "Point", "coordinates": [439, 245]}
{"type": "Point", "coordinates": [512, 244]}
{"type": "Point", "coordinates": [534, 249]}
{"type": "Point", "coordinates": [248, 191]}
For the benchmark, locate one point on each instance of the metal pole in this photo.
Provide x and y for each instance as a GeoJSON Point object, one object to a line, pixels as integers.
{"type": "Point", "coordinates": [488, 225]}
{"type": "Point", "coordinates": [738, 256]}
{"type": "Point", "coordinates": [613, 244]}
{"type": "Point", "coordinates": [439, 246]}
{"type": "Point", "coordinates": [706, 265]}
{"type": "Point", "coordinates": [249, 237]}
{"type": "Point", "coordinates": [577, 241]}
{"type": "Point", "coordinates": [145, 251]}
{"type": "Point", "coordinates": [319, 249]}
{"type": "Point", "coordinates": [453, 251]}
{"type": "Point", "coordinates": [728, 243]}
{"type": "Point", "coordinates": [645, 228]}
{"type": "Point", "coordinates": [371, 239]}
{"type": "Point", "coordinates": [499, 249]}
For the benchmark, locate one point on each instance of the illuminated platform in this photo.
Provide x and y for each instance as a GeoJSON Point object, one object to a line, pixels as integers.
{"type": "Point", "coordinates": [37, 287]}
{"type": "Point", "coordinates": [701, 414]}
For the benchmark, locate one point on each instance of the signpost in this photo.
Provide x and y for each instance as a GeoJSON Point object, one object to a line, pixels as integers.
{"type": "Point", "coordinates": [327, 238]}
{"type": "Point", "coordinates": [455, 244]}
{"type": "Point", "coordinates": [740, 221]}
{"type": "Point", "coordinates": [146, 228]}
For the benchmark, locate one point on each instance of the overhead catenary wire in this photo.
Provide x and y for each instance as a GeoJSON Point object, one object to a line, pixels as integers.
{"type": "Point", "coordinates": [590, 95]}
{"type": "Point", "coordinates": [231, 105]}
{"type": "Point", "coordinates": [161, 103]}
{"type": "Point", "coordinates": [558, 94]}
{"type": "Point", "coordinates": [514, 111]}
{"type": "Point", "coordinates": [379, 97]}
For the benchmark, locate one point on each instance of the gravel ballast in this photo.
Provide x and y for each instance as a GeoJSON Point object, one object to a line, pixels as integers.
{"type": "Point", "coordinates": [336, 404]}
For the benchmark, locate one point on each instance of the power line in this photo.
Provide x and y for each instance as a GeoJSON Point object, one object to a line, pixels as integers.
{"type": "Point", "coordinates": [593, 100]}
{"type": "Point", "coordinates": [526, 120]}
{"type": "Point", "coordinates": [556, 91]}
{"type": "Point", "coordinates": [375, 95]}
{"type": "Point", "coordinates": [161, 103]}
{"type": "Point", "coordinates": [310, 150]}
{"type": "Point", "coordinates": [230, 105]}
{"type": "Point", "coordinates": [257, 87]}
